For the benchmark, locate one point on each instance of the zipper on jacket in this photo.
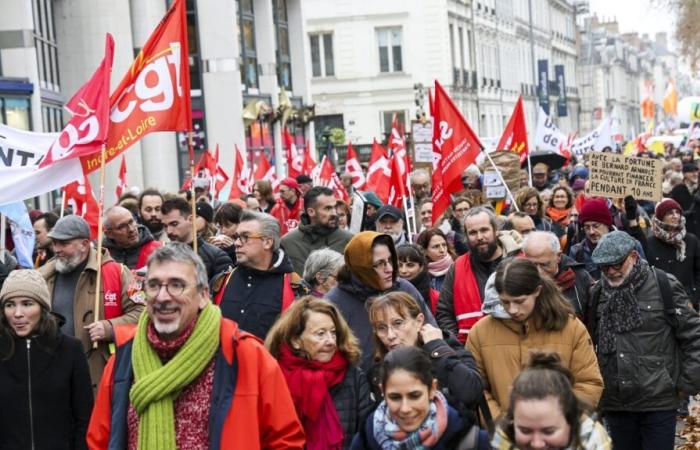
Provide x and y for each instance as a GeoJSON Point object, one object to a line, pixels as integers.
{"type": "Point", "coordinates": [29, 379]}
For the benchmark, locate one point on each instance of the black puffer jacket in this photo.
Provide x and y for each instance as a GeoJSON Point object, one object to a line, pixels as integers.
{"type": "Point", "coordinates": [45, 393]}
{"type": "Point", "coordinates": [215, 260]}
{"type": "Point", "coordinates": [663, 255]}
{"type": "Point", "coordinates": [352, 402]}
{"type": "Point", "coordinates": [656, 360]}
{"type": "Point", "coordinates": [578, 294]}
{"type": "Point", "coordinates": [128, 256]}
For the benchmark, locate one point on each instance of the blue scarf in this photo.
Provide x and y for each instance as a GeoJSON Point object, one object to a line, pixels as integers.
{"type": "Point", "coordinates": [389, 435]}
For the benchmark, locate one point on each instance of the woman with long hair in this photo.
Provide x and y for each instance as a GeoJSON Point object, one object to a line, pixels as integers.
{"type": "Point", "coordinates": [413, 266]}
{"type": "Point", "coordinates": [559, 206]}
{"type": "Point", "coordinates": [529, 201]}
{"type": "Point", "coordinates": [544, 411]}
{"type": "Point", "coordinates": [318, 355]}
{"type": "Point", "coordinates": [414, 413]}
{"type": "Point", "coordinates": [439, 253]}
{"type": "Point", "coordinates": [539, 318]}
{"type": "Point", "coordinates": [262, 191]}
{"type": "Point", "coordinates": [45, 387]}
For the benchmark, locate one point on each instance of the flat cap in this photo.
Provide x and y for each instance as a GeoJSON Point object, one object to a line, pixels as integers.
{"type": "Point", "coordinates": [391, 211]}
{"type": "Point", "coordinates": [70, 227]}
{"type": "Point", "coordinates": [613, 248]}
{"type": "Point", "coordinates": [690, 167]}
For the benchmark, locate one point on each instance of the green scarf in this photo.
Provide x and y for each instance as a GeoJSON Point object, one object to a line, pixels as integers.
{"type": "Point", "coordinates": [156, 386]}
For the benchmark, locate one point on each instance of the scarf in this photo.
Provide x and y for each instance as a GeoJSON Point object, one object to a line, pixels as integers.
{"type": "Point", "coordinates": [566, 278]}
{"type": "Point", "coordinates": [559, 215]}
{"type": "Point", "coordinates": [671, 234]}
{"type": "Point", "coordinates": [309, 383]}
{"type": "Point", "coordinates": [157, 385]}
{"type": "Point", "coordinates": [440, 267]}
{"type": "Point", "coordinates": [390, 437]}
{"type": "Point", "coordinates": [620, 312]}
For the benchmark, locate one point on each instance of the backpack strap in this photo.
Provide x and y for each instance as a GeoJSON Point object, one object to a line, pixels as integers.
{"type": "Point", "coordinates": [670, 309]}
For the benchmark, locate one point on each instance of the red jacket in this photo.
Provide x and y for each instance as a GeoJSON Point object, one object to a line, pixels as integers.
{"type": "Point", "coordinates": [288, 219]}
{"type": "Point", "coordinates": [260, 414]}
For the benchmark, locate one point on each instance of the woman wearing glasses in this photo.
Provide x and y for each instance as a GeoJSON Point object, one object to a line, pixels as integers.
{"type": "Point", "coordinates": [371, 269]}
{"type": "Point", "coordinates": [540, 318]}
{"type": "Point", "coordinates": [529, 201]}
{"type": "Point", "coordinates": [318, 355]}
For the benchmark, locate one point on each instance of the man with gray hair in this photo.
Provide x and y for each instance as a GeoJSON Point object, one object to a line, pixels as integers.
{"type": "Point", "coordinates": [259, 289]}
{"type": "Point", "coordinates": [320, 270]}
{"type": "Point", "coordinates": [543, 249]}
{"type": "Point", "coordinates": [420, 184]}
{"type": "Point", "coordinates": [128, 242]}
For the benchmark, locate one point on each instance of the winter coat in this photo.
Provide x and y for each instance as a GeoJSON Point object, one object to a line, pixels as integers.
{"type": "Point", "coordinates": [663, 256]}
{"type": "Point", "coordinates": [353, 402]}
{"type": "Point", "coordinates": [251, 404]}
{"type": "Point", "coordinates": [215, 260]}
{"type": "Point", "coordinates": [84, 305]}
{"type": "Point", "coordinates": [578, 294]}
{"type": "Point", "coordinates": [131, 257]}
{"type": "Point", "coordinates": [583, 251]}
{"type": "Point", "coordinates": [299, 243]}
{"type": "Point", "coordinates": [46, 394]}
{"type": "Point", "coordinates": [502, 348]}
{"type": "Point", "coordinates": [7, 266]}
{"type": "Point", "coordinates": [592, 436]}
{"type": "Point", "coordinates": [655, 361]}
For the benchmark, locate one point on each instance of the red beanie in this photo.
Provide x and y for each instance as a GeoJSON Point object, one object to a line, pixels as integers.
{"type": "Point", "coordinates": [595, 210]}
{"type": "Point", "coordinates": [291, 183]}
{"type": "Point", "coordinates": [665, 206]}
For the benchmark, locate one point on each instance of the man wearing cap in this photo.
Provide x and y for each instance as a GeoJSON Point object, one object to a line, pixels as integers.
{"type": "Point", "coordinates": [178, 220]}
{"type": "Point", "coordinates": [648, 352]}
{"type": "Point", "coordinates": [683, 193]}
{"type": "Point", "coordinates": [318, 228]}
{"type": "Point", "coordinates": [540, 177]}
{"type": "Point", "coordinates": [289, 206]}
{"type": "Point", "coordinates": [305, 183]}
{"type": "Point", "coordinates": [389, 220]}
{"type": "Point", "coordinates": [128, 242]}
{"type": "Point", "coordinates": [71, 277]}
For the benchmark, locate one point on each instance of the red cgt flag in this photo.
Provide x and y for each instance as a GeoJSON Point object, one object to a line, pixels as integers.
{"type": "Point", "coordinates": [121, 183]}
{"type": "Point", "coordinates": [457, 145]}
{"type": "Point", "coordinates": [220, 177]}
{"type": "Point", "coordinates": [309, 163]}
{"type": "Point", "coordinates": [397, 191]}
{"type": "Point", "coordinates": [295, 158]}
{"type": "Point", "coordinates": [514, 136]}
{"type": "Point", "coordinates": [154, 95]}
{"type": "Point", "coordinates": [353, 167]}
{"type": "Point", "coordinates": [327, 177]}
{"type": "Point", "coordinates": [379, 173]}
{"type": "Point", "coordinates": [397, 145]}
{"type": "Point", "coordinates": [80, 198]}
{"type": "Point", "coordinates": [265, 171]}
{"type": "Point", "coordinates": [86, 131]}
{"type": "Point", "coordinates": [239, 182]}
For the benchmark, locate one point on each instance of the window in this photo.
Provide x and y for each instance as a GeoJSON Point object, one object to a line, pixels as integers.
{"type": "Point", "coordinates": [246, 31]}
{"type": "Point", "coordinates": [389, 41]}
{"type": "Point", "coordinates": [45, 43]}
{"type": "Point", "coordinates": [15, 112]}
{"type": "Point", "coordinates": [322, 55]}
{"type": "Point", "coordinates": [284, 61]}
{"type": "Point", "coordinates": [388, 120]}
{"type": "Point", "coordinates": [193, 48]}
{"type": "Point", "coordinates": [52, 116]}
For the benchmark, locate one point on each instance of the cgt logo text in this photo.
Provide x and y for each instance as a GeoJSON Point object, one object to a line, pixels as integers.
{"type": "Point", "coordinates": [110, 299]}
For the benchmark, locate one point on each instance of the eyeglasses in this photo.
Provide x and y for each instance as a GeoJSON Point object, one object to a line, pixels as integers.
{"type": "Point", "coordinates": [175, 288]}
{"type": "Point", "coordinates": [124, 226]}
{"type": "Point", "coordinates": [616, 267]}
{"type": "Point", "coordinates": [245, 237]}
{"type": "Point", "coordinates": [397, 325]}
{"type": "Point", "coordinates": [531, 205]}
{"type": "Point", "coordinates": [592, 227]}
{"type": "Point", "coordinates": [382, 264]}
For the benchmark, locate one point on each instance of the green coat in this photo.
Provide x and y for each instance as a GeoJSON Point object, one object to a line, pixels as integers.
{"type": "Point", "coordinates": [299, 243]}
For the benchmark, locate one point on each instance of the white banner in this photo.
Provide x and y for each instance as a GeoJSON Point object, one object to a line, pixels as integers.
{"type": "Point", "coordinates": [595, 141]}
{"type": "Point", "coordinates": [548, 137]}
{"type": "Point", "coordinates": [20, 155]}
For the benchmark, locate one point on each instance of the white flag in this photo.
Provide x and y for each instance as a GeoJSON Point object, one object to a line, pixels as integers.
{"type": "Point", "coordinates": [548, 137]}
{"type": "Point", "coordinates": [595, 141]}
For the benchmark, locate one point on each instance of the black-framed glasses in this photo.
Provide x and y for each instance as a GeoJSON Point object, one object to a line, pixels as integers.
{"type": "Point", "coordinates": [124, 226]}
{"type": "Point", "coordinates": [175, 288]}
{"type": "Point", "coordinates": [616, 267]}
{"type": "Point", "coordinates": [246, 236]}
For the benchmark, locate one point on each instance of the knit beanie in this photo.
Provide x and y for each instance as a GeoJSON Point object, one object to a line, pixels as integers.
{"type": "Point", "coordinates": [595, 210]}
{"type": "Point", "coordinates": [666, 206]}
{"type": "Point", "coordinates": [26, 283]}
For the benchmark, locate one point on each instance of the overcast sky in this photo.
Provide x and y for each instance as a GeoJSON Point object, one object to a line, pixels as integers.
{"type": "Point", "coordinates": [635, 15]}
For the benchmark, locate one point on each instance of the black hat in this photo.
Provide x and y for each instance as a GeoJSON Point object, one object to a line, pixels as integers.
{"type": "Point", "coordinates": [205, 211]}
{"type": "Point", "coordinates": [304, 179]}
{"type": "Point", "coordinates": [690, 167]}
{"type": "Point", "coordinates": [391, 211]}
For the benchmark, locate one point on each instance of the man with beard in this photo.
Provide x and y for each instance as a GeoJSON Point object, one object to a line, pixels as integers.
{"type": "Point", "coordinates": [459, 305]}
{"type": "Point", "coordinates": [42, 249]}
{"type": "Point", "coordinates": [647, 339]}
{"type": "Point", "coordinates": [389, 220]}
{"type": "Point", "coordinates": [289, 206]}
{"type": "Point", "coordinates": [128, 242]}
{"type": "Point", "coordinates": [178, 220]}
{"type": "Point", "coordinates": [71, 277]}
{"type": "Point", "coordinates": [259, 289]}
{"type": "Point", "coordinates": [540, 177]}
{"type": "Point", "coordinates": [150, 202]}
{"type": "Point", "coordinates": [318, 228]}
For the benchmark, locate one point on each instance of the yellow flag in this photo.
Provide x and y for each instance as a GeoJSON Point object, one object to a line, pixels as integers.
{"type": "Point", "coordinates": [630, 149]}
{"type": "Point", "coordinates": [657, 147]}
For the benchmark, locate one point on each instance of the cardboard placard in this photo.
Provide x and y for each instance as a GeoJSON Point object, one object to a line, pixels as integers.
{"type": "Point", "coordinates": [422, 141]}
{"type": "Point", "coordinates": [617, 176]}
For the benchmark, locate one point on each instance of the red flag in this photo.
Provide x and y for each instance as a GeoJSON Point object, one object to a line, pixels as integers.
{"type": "Point", "coordinates": [397, 145]}
{"type": "Point", "coordinates": [121, 183]}
{"type": "Point", "coordinates": [327, 177]}
{"type": "Point", "coordinates": [220, 177]}
{"type": "Point", "coordinates": [86, 132]}
{"type": "Point", "coordinates": [239, 183]}
{"type": "Point", "coordinates": [458, 146]}
{"type": "Point", "coordinates": [265, 171]}
{"type": "Point", "coordinates": [379, 173]}
{"type": "Point", "coordinates": [295, 158]}
{"type": "Point", "coordinates": [204, 172]}
{"type": "Point", "coordinates": [397, 191]}
{"type": "Point", "coordinates": [80, 198]}
{"type": "Point", "coordinates": [514, 136]}
{"type": "Point", "coordinates": [309, 163]}
{"type": "Point", "coordinates": [353, 167]}
{"type": "Point", "coordinates": [154, 95]}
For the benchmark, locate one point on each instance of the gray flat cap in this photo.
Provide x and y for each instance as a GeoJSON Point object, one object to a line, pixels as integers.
{"type": "Point", "coordinates": [613, 248]}
{"type": "Point", "coordinates": [70, 227]}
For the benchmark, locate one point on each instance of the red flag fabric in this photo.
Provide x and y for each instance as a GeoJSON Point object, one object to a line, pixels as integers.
{"type": "Point", "coordinates": [80, 198]}
{"type": "Point", "coordinates": [379, 173]}
{"type": "Point", "coordinates": [265, 171]}
{"type": "Point", "coordinates": [514, 136]}
{"type": "Point", "coordinates": [397, 191]}
{"type": "Point", "coordinates": [239, 182]}
{"type": "Point", "coordinates": [458, 146]}
{"type": "Point", "coordinates": [220, 177]}
{"type": "Point", "coordinates": [295, 158]}
{"type": "Point", "coordinates": [309, 163]}
{"type": "Point", "coordinates": [154, 95]}
{"type": "Point", "coordinates": [353, 167]}
{"type": "Point", "coordinates": [87, 130]}
{"type": "Point", "coordinates": [121, 182]}
{"type": "Point", "coordinates": [327, 177]}
{"type": "Point", "coordinates": [204, 172]}
{"type": "Point", "coordinates": [397, 145]}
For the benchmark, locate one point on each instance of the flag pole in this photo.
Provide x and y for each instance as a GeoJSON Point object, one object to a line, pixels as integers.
{"type": "Point", "coordinates": [529, 168]}
{"type": "Point", "coordinates": [100, 206]}
{"type": "Point", "coordinates": [63, 202]}
{"type": "Point", "coordinates": [503, 181]}
{"type": "Point", "coordinates": [3, 225]}
{"type": "Point", "coordinates": [194, 201]}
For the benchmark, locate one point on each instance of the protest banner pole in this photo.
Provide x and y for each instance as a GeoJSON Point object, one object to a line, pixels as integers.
{"type": "Point", "coordinates": [529, 169]}
{"type": "Point", "coordinates": [63, 202]}
{"type": "Point", "coordinates": [500, 176]}
{"type": "Point", "coordinates": [3, 224]}
{"type": "Point", "coordinates": [100, 206]}
{"type": "Point", "coordinates": [190, 146]}
{"type": "Point", "coordinates": [408, 219]}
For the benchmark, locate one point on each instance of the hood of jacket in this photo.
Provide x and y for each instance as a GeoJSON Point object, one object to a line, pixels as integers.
{"type": "Point", "coordinates": [280, 265]}
{"type": "Point", "coordinates": [145, 236]}
{"type": "Point", "coordinates": [358, 257]}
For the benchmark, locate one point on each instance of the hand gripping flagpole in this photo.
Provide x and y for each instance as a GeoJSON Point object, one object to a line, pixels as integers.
{"type": "Point", "coordinates": [100, 206]}
{"type": "Point", "coordinates": [503, 181]}
{"type": "Point", "coordinates": [194, 206]}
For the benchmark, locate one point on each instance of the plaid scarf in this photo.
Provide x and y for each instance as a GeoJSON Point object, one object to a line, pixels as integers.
{"type": "Point", "coordinates": [671, 234]}
{"type": "Point", "coordinates": [390, 437]}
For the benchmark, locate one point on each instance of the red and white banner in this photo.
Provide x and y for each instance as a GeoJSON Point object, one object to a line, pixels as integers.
{"type": "Point", "coordinates": [353, 167]}
{"type": "Point", "coordinates": [379, 173]}
{"type": "Point", "coordinates": [397, 192]}
{"type": "Point", "coordinates": [121, 182]}
{"type": "Point", "coordinates": [80, 198]}
{"type": "Point", "coordinates": [264, 171]}
{"type": "Point", "coordinates": [86, 131]}
{"type": "Point", "coordinates": [327, 177]}
{"type": "Point", "coordinates": [295, 158]}
{"type": "Point", "coordinates": [154, 95]}
{"type": "Point", "coordinates": [220, 177]}
{"type": "Point", "coordinates": [239, 180]}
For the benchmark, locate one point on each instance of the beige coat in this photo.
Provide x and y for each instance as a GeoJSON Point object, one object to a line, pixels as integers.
{"type": "Point", "coordinates": [84, 305]}
{"type": "Point", "coordinates": [502, 348]}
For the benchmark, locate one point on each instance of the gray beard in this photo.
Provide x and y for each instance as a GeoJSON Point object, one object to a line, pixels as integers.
{"type": "Point", "coordinates": [68, 266]}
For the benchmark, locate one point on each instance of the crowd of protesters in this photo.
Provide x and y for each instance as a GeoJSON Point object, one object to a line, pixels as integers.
{"type": "Point", "coordinates": [562, 321]}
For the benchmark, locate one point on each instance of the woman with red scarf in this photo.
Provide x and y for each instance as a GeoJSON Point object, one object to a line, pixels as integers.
{"type": "Point", "coordinates": [439, 253]}
{"type": "Point", "coordinates": [318, 355]}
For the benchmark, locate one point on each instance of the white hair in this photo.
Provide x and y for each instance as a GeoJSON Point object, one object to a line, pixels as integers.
{"type": "Point", "coordinates": [552, 239]}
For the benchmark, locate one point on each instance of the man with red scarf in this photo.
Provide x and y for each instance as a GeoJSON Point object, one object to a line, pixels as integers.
{"type": "Point", "coordinates": [289, 206]}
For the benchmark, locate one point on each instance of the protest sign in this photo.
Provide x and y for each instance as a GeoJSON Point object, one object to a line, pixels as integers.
{"type": "Point", "coordinates": [422, 141]}
{"type": "Point", "coordinates": [596, 140]}
{"type": "Point", "coordinates": [617, 176]}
